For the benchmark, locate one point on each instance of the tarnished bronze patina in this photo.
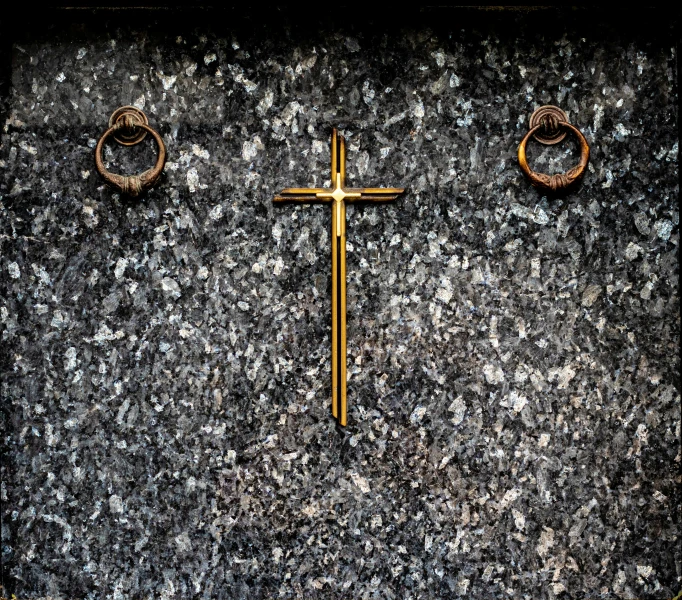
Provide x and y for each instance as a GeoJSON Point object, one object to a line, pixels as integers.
{"type": "Point", "coordinates": [549, 125]}
{"type": "Point", "coordinates": [129, 126]}
{"type": "Point", "coordinates": [337, 195]}
{"type": "Point", "coordinates": [549, 117]}
{"type": "Point", "coordinates": [128, 136]}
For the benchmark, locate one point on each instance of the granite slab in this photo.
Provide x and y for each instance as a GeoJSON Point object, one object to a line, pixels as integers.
{"type": "Point", "coordinates": [514, 390]}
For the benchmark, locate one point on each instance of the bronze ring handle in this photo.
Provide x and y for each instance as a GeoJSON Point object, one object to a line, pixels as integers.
{"type": "Point", "coordinates": [562, 181]}
{"type": "Point", "coordinates": [131, 185]}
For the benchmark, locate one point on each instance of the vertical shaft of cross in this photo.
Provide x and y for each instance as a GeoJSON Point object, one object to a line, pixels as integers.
{"type": "Point", "coordinates": [338, 247]}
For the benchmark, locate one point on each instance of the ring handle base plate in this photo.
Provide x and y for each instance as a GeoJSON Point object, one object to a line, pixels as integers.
{"type": "Point", "coordinates": [129, 139]}
{"type": "Point", "coordinates": [537, 118]}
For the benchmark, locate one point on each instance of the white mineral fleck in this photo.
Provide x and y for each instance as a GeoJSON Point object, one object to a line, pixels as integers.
{"type": "Point", "coordinates": [104, 334]}
{"type": "Point", "coordinates": [663, 229]}
{"type": "Point", "coordinates": [70, 359]}
{"type": "Point", "coordinates": [444, 294]}
{"type": "Point", "coordinates": [558, 588]}
{"type": "Point", "coordinates": [621, 132]}
{"type": "Point", "coordinates": [509, 498]}
{"type": "Point", "coordinates": [418, 414]}
{"type": "Point", "coordinates": [192, 180]}
{"type": "Point", "coordinates": [277, 232]}
{"type": "Point", "coordinates": [563, 376]}
{"type": "Point", "coordinates": [167, 80]}
{"type": "Point", "coordinates": [591, 294]}
{"type": "Point", "coordinates": [121, 265]}
{"type": "Point", "coordinates": [361, 482]}
{"type": "Point", "coordinates": [362, 162]}
{"type": "Point", "coordinates": [642, 223]}
{"type": "Point", "coordinates": [546, 541]}
{"type": "Point", "coordinates": [439, 55]}
{"type": "Point", "coordinates": [633, 251]}
{"type": "Point", "coordinates": [183, 542]}
{"type": "Point", "coordinates": [289, 112]}
{"type": "Point", "coordinates": [216, 212]}
{"type": "Point", "coordinates": [266, 103]}
{"type": "Point", "coordinates": [519, 519]}
{"type": "Point", "coordinates": [115, 504]}
{"type": "Point", "coordinates": [395, 119]}
{"type": "Point", "coordinates": [538, 215]}
{"type": "Point", "coordinates": [458, 408]}
{"type": "Point", "coordinates": [13, 269]}
{"type": "Point", "coordinates": [368, 93]}
{"type": "Point", "coordinates": [200, 152]}
{"type": "Point", "coordinates": [58, 319]}
{"type": "Point", "coordinates": [645, 294]}
{"type": "Point", "coordinates": [122, 410]}
{"type": "Point", "coordinates": [644, 571]}
{"type": "Point", "coordinates": [463, 586]}
{"type": "Point", "coordinates": [28, 148]}
{"type": "Point", "coordinates": [598, 114]}
{"type": "Point", "coordinates": [535, 265]}
{"type": "Point", "coordinates": [493, 374]}
{"type": "Point", "coordinates": [270, 441]}
{"type": "Point", "coordinates": [209, 58]}
{"type": "Point", "coordinates": [518, 401]}
{"type": "Point", "coordinates": [170, 287]}
{"type": "Point", "coordinates": [249, 150]}
{"type": "Point", "coordinates": [238, 76]}
{"type": "Point", "coordinates": [660, 496]}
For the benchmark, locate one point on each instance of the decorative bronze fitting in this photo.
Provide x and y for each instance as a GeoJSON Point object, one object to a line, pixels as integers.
{"type": "Point", "coordinates": [129, 126]}
{"type": "Point", "coordinates": [549, 125]}
{"type": "Point", "coordinates": [338, 195]}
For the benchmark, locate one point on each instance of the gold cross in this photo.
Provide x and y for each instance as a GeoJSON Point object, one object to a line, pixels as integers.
{"type": "Point", "coordinates": [338, 196]}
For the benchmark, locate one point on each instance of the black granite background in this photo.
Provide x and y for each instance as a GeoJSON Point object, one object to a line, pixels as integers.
{"type": "Point", "coordinates": [514, 424]}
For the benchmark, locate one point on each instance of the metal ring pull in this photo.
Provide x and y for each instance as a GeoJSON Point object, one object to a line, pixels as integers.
{"type": "Point", "coordinates": [548, 125]}
{"type": "Point", "coordinates": [129, 126]}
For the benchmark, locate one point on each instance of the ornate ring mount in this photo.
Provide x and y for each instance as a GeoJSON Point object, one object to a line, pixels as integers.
{"type": "Point", "coordinates": [129, 126]}
{"type": "Point", "coordinates": [549, 125]}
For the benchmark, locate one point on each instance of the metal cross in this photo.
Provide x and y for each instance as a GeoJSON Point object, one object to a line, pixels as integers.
{"type": "Point", "coordinates": [338, 195]}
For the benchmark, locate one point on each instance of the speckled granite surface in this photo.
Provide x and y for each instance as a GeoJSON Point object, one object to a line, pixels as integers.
{"type": "Point", "coordinates": [514, 425]}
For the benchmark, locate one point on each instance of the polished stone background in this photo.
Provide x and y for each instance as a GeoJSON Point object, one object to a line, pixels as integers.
{"type": "Point", "coordinates": [514, 425]}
